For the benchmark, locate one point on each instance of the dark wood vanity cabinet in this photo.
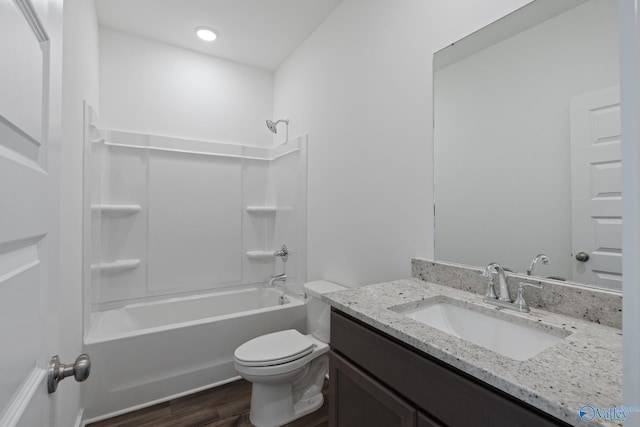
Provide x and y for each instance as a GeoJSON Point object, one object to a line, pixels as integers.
{"type": "Point", "coordinates": [377, 381]}
{"type": "Point", "coordinates": [359, 400]}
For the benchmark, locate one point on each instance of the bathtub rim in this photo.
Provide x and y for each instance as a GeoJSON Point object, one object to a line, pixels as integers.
{"type": "Point", "coordinates": [294, 301]}
{"type": "Point", "coordinates": [291, 289]}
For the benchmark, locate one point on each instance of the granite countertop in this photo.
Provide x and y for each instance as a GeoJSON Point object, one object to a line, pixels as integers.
{"type": "Point", "coordinates": [585, 368]}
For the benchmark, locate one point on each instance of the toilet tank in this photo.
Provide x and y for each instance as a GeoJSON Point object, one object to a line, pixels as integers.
{"type": "Point", "coordinates": [319, 312]}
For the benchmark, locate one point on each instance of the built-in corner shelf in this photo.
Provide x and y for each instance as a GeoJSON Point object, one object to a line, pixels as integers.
{"type": "Point", "coordinates": [260, 255]}
{"type": "Point", "coordinates": [115, 266]}
{"type": "Point", "coordinates": [262, 210]}
{"type": "Point", "coordinates": [119, 210]}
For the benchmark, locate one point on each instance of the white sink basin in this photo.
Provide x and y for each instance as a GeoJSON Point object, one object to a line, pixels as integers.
{"type": "Point", "coordinates": [480, 326]}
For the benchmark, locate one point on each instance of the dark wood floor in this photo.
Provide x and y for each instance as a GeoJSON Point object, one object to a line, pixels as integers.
{"type": "Point", "coordinates": [225, 406]}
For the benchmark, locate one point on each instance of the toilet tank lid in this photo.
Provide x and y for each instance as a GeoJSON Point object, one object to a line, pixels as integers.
{"type": "Point", "coordinates": [319, 287]}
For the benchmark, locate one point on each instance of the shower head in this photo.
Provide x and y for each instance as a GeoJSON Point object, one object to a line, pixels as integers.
{"type": "Point", "coordinates": [273, 125]}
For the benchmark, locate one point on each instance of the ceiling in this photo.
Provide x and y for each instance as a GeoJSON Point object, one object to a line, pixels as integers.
{"type": "Point", "coordinates": [261, 33]}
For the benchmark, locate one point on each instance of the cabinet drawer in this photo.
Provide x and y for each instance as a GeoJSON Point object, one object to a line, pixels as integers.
{"type": "Point", "coordinates": [438, 389]}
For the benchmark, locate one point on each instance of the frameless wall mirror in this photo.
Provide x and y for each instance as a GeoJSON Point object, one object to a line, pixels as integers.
{"type": "Point", "coordinates": [527, 143]}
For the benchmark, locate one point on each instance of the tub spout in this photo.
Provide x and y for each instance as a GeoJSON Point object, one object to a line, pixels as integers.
{"type": "Point", "coordinates": [277, 278]}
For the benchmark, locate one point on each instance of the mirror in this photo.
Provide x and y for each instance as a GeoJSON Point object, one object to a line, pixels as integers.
{"type": "Point", "coordinates": [527, 143]}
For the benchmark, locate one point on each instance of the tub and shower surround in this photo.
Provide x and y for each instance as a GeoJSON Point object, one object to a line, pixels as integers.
{"type": "Point", "coordinates": [173, 216]}
{"type": "Point", "coordinates": [179, 241]}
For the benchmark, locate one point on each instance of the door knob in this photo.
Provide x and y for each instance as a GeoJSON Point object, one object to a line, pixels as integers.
{"type": "Point", "coordinates": [57, 371]}
{"type": "Point", "coordinates": [582, 256]}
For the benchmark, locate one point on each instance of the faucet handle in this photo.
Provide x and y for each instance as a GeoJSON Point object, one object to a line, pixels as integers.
{"type": "Point", "coordinates": [519, 301]}
{"type": "Point", "coordinates": [283, 253]}
{"type": "Point", "coordinates": [491, 290]}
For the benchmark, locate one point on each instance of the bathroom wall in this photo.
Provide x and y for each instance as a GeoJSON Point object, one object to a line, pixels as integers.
{"type": "Point", "coordinates": [79, 82]}
{"type": "Point", "coordinates": [193, 228]}
{"type": "Point", "coordinates": [155, 88]}
{"type": "Point", "coordinates": [361, 86]}
{"type": "Point", "coordinates": [527, 90]}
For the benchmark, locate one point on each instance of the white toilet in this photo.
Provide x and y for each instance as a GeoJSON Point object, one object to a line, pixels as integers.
{"type": "Point", "coordinates": [287, 368]}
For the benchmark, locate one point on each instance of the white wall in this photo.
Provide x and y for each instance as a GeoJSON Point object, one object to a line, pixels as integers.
{"type": "Point", "coordinates": [361, 87]}
{"type": "Point", "coordinates": [79, 82]}
{"type": "Point", "coordinates": [154, 88]}
{"type": "Point", "coordinates": [629, 16]}
{"type": "Point", "coordinates": [509, 167]}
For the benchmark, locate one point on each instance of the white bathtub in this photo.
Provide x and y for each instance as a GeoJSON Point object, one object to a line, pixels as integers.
{"type": "Point", "coordinates": [143, 354]}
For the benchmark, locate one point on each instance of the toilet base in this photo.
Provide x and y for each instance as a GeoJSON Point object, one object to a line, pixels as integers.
{"type": "Point", "coordinates": [307, 406]}
{"type": "Point", "coordinates": [273, 406]}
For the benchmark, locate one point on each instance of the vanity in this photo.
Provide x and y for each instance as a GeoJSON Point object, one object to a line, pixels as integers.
{"type": "Point", "coordinates": [515, 175]}
{"type": "Point", "coordinates": [439, 391]}
{"type": "Point", "coordinates": [389, 369]}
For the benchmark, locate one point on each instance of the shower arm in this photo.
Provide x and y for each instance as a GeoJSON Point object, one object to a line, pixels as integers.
{"type": "Point", "coordinates": [286, 134]}
{"type": "Point", "coordinates": [273, 127]}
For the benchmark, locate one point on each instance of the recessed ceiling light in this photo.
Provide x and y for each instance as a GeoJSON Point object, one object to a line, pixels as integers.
{"type": "Point", "coordinates": [206, 34]}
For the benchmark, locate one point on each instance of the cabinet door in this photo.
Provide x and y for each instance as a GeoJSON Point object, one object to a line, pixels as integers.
{"type": "Point", "coordinates": [358, 400]}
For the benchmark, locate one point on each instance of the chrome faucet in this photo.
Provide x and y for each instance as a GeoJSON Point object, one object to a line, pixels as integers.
{"type": "Point", "coordinates": [277, 278]}
{"type": "Point", "coordinates": [503, 294]}
{"type": "Point", "coordinates": [532, 268]}
{"type": "Point", "coordinates": [503, 299]}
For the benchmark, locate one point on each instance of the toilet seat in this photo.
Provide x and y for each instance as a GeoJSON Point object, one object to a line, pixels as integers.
{"type": "Point", "coordinates": [274, 349]}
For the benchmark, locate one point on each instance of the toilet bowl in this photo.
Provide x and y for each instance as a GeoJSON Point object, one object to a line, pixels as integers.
{"type": "Point", "coordinates": [286, 368]}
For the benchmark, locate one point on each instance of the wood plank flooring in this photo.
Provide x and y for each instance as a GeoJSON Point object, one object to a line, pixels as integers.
{"type": "Point", "coordinates": [224, 406]}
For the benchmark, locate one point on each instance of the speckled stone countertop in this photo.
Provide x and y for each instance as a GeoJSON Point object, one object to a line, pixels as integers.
{"type": "Point", "coordinates": [585, 368]}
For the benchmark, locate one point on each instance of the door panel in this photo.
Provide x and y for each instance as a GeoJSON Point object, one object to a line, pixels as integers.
{"type": "Point", "coordinates": [21, 77]}
{"type": "Point", "coordinates": [27, 232]}
{"type": "Point", "coordinates": [596, 184]}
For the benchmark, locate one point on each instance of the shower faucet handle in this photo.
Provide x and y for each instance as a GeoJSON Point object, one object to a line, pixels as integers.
{"type": "Point", "coordinates": [283, 253]}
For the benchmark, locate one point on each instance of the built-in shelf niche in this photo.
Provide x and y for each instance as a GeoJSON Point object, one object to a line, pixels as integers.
{"type": "Point", "coordinates": [262, 210]}
{"type": "Point", "coordinates": [260, 255]}
{"type": "Point", "coordinates": [116, 266]}
{"type": "Point", "coordinates": [116, 210]}
{"type": "Point", "coordinates": [269, 213]}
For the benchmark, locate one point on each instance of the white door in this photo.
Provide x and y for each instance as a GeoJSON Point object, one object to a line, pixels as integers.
{"type": "Point", "coordinates": [29, 98]}
{"type": "Point", "coordinates": [597, 188]}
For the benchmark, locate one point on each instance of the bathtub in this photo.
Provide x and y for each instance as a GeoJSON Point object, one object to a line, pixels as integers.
{"type": "Point", "coordinates": [147, 353]}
